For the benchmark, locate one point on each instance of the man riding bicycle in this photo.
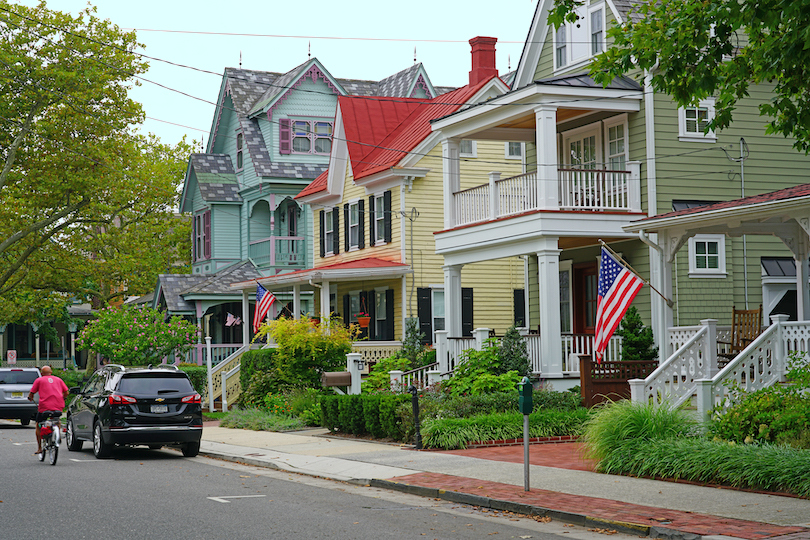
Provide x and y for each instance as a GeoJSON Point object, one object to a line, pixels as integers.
{"type": "Point", "coordinates": [52, 393]}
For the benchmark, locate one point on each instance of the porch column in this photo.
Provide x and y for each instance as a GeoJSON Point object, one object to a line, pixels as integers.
{"type": "Point", "coordinates": [245, 317]}
{"type": "Point", "coordinates": [661, 279]}
{"type": "Point", "coordinates": [548, 277]}
{"type": "Point", "coordinates": [452, 179]}
{"type": "Point", "coordinates": [296, 302]}
{"type": "Point", "coordinates": [452, 299]}
{"type": "Point", "coordinates": [802, 275]}
{"type": "Point", "coordinates": [546, 138]}
{"type": "Point", "coordinates": [325, 313]}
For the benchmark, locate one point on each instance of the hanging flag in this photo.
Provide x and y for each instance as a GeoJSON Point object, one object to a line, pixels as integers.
{"type": "Point", "coordinates": [264, 300]}
{"type": "Point", "coordinates": [617, 288]}
{"type": "Point", "coordinates": [233, 321]}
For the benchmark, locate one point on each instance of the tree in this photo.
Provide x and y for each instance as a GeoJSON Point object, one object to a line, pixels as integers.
{"type": "Point", "coordinates": [718, 48]}
{"type": "Point", "coordinates": [136, 336]}
{"type": "Point", "coordinates": [637, 340]}
{"type": "Point", "coordinates": [85, 201]}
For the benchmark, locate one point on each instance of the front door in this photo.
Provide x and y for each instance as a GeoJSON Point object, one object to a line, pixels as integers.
{"type": "Point", "coordinates": [586, 282]}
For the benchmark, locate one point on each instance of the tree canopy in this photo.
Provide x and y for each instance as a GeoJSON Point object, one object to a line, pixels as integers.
{"type": "Point", "coordinates": [697, 49]}
{"type": "Point", "coordinates": [85, 200]}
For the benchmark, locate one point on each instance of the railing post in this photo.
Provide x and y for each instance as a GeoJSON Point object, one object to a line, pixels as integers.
{"type": "Point", "coordinates": [634, 186]}
{"type": "Point", "coordinates": [210, 375]}
{"type": "Point", "coordinates": [441, 351]}
{"type": "Point", "coordinates": [704, 398]}
{"type": "Point", "coordinates": [636, 390]}
{"type": "Point", "coordinates": [523, 331]}
{"type": "Point", "coordinates": [224, 379]}
{"type": "Point", "coordinates": [434, 376]}
{"type": "Point", "coordinates": [494, 176]}
{"type": "Point", "coordinates": [353, 367]}
{"type": "Point", "coordinates": [709, 349]}
{"type": "Point", "coordinates": [396, 380]}
{"type": "Point", "coordinates": [780, 351]}
{"type": "Point", "coordinates": [480, 335]}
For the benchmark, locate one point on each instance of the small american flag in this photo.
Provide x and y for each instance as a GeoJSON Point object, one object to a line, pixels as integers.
{"type": "Point", "coordinates": [617, 288]}
{"type": "Point", "coordinates": [264, 300]}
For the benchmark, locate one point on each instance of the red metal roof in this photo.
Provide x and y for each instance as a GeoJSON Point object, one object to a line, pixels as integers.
{"type": "Point", "coordinates": [319, 184]}
{"type": "Point", "coordinates": [370, 262]}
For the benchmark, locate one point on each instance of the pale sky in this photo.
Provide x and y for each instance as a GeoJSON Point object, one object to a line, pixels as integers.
{"type": "Point", "coordinates": [377, 39]}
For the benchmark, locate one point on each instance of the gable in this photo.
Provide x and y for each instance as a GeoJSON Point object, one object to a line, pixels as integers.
{"type": "Point", "coordinates": [287, 85]}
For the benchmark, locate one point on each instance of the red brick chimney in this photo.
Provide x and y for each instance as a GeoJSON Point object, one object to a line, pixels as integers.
{"type": "Point", "coordinates": [483, 59]}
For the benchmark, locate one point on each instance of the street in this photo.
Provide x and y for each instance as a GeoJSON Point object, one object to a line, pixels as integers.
{"type": "Point", "coordinates": [142, 493]}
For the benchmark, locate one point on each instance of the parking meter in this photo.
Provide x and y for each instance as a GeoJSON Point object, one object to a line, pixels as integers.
{"type": "Point", "coordinates": [525, 396]}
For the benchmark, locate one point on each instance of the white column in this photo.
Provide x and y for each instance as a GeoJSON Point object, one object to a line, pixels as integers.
{"type": "Point", "coordinates": [548, 276]}
{"type": "Point", "coordinates": [210, 374]}
{"type": "Point", "coordinates": [661, 269]}
{"type": "Point", "coordinates": [494, 176]}
{"type": "Point", "coordinates": [634, 186]}
{"type": "Point", "coordinates": [481, 335]}
{"type": "Point", "coordinates": [546, 138]}
{"type": "Point", "coordinates": [441, 351]}
{"type": "Point", "coordinates": [245, 317]}
{"type": "Point", "coordinates": [452, 300]}
{"type": "Point", "coordinates": [296, 301]}
{"type": "Point", "coordinates": [325, 304]}
{"type": "Point", "coordinates": [451, 179]}
{"type": "Point", "coordinates": [802, 288]}
{"type": "Point", "coordinates": [710, 349]}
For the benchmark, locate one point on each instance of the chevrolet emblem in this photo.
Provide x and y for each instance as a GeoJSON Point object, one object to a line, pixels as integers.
{"type": "Point", "coordinates": [160, 399]}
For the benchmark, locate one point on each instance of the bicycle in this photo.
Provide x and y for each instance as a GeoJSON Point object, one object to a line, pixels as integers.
{"type": "Point", "coordinates": [51, 431]}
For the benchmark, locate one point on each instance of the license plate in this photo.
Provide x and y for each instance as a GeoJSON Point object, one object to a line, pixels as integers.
{"type": "Point", "coordinates": [160, 408]}
{"type": "Point", "coordinates": [17, 394]}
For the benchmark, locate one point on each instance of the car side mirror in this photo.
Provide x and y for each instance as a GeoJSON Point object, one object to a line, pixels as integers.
{"type": "Point", "coordinates": [75, 390]}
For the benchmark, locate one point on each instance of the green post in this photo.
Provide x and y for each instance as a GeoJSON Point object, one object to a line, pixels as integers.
{"type": "Point", "coordinates": [525, 405]}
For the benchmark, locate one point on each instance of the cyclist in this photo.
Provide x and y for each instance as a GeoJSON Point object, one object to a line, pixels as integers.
{"type": "Point", "coordinates": [52, 393]}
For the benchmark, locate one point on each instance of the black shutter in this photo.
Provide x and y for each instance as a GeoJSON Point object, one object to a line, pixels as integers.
{"type": "Point", "coordinates": [361, 224]}
{"type": "Point", "coordinates": [336, 229]}
{"type": "Point", "coordinates": [346, 243]}
{"type": "Point", "coordinates": [347, 310]}
{"type": "Point", "coordinates": [323, 240]}
{"type": "Point", "coordinates": [372, 234]}
{"type": "Point", "coordinates": [466, 311]}
{"type": "Point", "coordinates": [387, 208]}
{"type": "Point", "coordinates": [364, 308]}
{"type": "Point", "coordinates": [519, 303]}
{"type": "Point", "coordinates": [423, 311]}
{"type": "Point", "coordinates": [389, 314]}
{"type": "Point", "coordinates": [372, 312]}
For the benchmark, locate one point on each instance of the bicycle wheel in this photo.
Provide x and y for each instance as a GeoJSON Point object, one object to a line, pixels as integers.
{"type": "Point", "coordinates": [41, 455]}
{"type": "Point", "coordinates": [53, 453]}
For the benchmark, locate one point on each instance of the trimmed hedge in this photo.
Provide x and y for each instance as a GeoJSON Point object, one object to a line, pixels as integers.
{"type": "Point", "coordinates": [362, 414]}
{"type": "Point", "coordinates": [198, 376]}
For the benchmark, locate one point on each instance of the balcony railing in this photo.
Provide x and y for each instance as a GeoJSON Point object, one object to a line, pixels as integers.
{"type": "Point", "coordinates": [279, 251]}
{"type": "Point", "coordinates": [592, 190]}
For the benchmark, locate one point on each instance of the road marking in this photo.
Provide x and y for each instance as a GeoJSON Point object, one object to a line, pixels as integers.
{"type": "Point", "coordinates": [22, 443]}
{"type": "Point", "coordinates": [222, 499]}
{"type": "Point", "coordinates": [87, 460]}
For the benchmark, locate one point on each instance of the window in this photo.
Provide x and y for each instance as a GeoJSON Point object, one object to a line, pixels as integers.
{"type": "Point", "coordinates": [380, 312]}
{"type": "Point", "coordinates": [616, 134]}
{"type": "Point", "coordinates": [597, 32]}
{"type": "Point", "coordinates": [514, 150]}
{"type": "Point", "coordinates": [305, 136]}
{"type": "Point", "coordinates": [354, 225]}
{"type": "Point", "coordinates": [328, 231]}
{"type": "Point", "coordinates": [467, 148]}
{"type": "Point", "coordinates": [438, 309]}
{"type": "Point", "coordinates": [578, 42]}
{"type": "Point", "coordinates": [202, 236]}
{"type": "Point", "coordinates": [565, 297]}
{"type": "Point", "coordinates": [561, 56]}
{"type": "Point", "coordinates": [240, 141]}
{"type": "Point", "coordinates": [707, 255]}
{"type": "Point", "coordinates": [692, 122]}
{"type": "Point", "coordinates": [379, 218]}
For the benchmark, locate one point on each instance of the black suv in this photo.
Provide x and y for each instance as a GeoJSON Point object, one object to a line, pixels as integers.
{"type": "Point", "coordinates": [152, 406]}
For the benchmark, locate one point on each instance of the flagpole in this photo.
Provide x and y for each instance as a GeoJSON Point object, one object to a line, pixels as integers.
{"type": "Point", "coordinates": [669, 302]}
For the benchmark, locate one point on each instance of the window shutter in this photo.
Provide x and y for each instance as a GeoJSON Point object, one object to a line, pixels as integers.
{"type": "Point", "coordinates": [372, 312]}
{"type": "Point", "coordinates": [284, 136]}
{"type": "Point", "coordinates": [519, 303]}
{"type": "Point", "coordinates": [207, 228]}
{"type": "Point", "coordinates": [347, 310]}
{"type": "Point", "coordinates": [323, 239]}
{"type": "Point", "coordinates": [423, 311]}
{"type": "Point", "coordinates": [361, 224]}
{"type": "Point", "coordinates": [346, 243]}
{"type": "Point", "coordinates": [466, 311]}
{"type": "Point", "coordinates": [372, 234]}
{"type": "Point", "coordinates": [194, 235]}
{"type": "Point", "coordinates": [387, 199]}
{"type": "Point", "coordinates": [389, 314]}
{"type": "Point", "coordinates": [336, 229]}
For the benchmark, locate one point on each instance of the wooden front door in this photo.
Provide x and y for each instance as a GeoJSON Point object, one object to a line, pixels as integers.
{"type": "Point", "coordinates": [586, 281]}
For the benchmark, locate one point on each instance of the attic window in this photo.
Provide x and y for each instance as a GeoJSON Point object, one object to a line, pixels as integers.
{"type": "Point", "coordinates": [240, 141]}
{"type": "Point", "coordinates": [578, 42]}
{"type": "Point", "coordinates": [305, 136]}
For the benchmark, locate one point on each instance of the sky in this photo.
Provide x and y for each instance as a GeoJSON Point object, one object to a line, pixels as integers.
{"type": "Point", "coordinates": [356, 39]}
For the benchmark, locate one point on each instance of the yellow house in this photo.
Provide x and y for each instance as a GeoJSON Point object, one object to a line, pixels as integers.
{"type": "Point", "coordinates": [376, 210]}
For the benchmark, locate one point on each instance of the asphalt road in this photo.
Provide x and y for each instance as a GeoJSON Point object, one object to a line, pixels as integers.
{"type": "Point", "coordinates": [142, 493]}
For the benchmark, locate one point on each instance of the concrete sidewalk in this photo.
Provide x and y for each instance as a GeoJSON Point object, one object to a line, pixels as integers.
{"type": "Point", "coordinates": [633, 505]}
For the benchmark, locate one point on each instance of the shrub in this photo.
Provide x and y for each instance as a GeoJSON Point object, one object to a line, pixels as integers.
{"type": "Point", "coordinates": [261, 384]}
{"type": "Point", "coordinates": [71, 377]}
{"type": "Point", "coordinates": [305, 404]}
{"type": "Point", "coordinates": [371, 414]}
{"type": "Point", "coordinates": [379, 379]}
{"type": "Point", "coordinates": [260, 420]}
{"type": "Point", "coordinates": [256, 361]}
{"type": "Point", "coordinates": [276, 404]}
{"type": "Point", "coordinates": [637, 340]}
{"type": "Point", "coordinates": [473, 365]}
{"type": "Point", "coordinates": [330, 412]}
{"type": "Point", "coordinates": [513, 353]}
{"type": "Point", "coordinates": [389, 419]}
{"type": "Point", "coordinates": [412, 344]}
{"type": "Point", "coordinates": [198, 375]}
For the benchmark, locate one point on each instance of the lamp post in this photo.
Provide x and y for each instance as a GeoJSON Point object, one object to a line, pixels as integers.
{"type": "Point", "coordinates": [72, 328]}
{"type": "Point", "coordinates": [35, 327]}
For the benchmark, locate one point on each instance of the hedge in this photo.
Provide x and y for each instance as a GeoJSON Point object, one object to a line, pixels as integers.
{"type": "Point", "coordinates": [198, 376]}
{"type": "Point", "coordinates": [365, 413]}
{"type": "Point", "coordinates": [260, 360]}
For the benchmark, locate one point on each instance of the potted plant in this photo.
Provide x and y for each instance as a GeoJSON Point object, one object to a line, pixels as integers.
{"type": "Point", "coordinates": [363, 319]}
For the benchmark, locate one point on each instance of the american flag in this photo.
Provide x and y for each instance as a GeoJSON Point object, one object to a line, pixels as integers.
{"type": "Point", "coordinates": [264, 300]}
{"type": "Point", "coordinates": [617, 288]}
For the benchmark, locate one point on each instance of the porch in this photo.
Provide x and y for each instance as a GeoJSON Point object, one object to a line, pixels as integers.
{"type": "Point", "coordinates": [285, 251]}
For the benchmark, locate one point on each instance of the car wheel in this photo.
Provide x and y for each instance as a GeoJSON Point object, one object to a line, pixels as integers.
{"type": "Point", "coordinates": [100, 448]}
{"type": "Point", "coordinates": [25, 421]}
{"type": "Point", "coordinates": [73, 444]}
{"type": "Point", "coordinates": [191, 449]}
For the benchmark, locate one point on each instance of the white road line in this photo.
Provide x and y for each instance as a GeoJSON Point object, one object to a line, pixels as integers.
{"type": "Point", "coordinates": [87, 460]}
{"type": "Point", "coordinates": [22, 443]}
{"type": "Point", "coordinates": [222, 499]}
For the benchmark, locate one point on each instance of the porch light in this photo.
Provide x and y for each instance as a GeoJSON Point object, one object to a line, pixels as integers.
{"type": "Point", "coordinates": [73, 326]}
{"type": "Point", "coordinates": [360, 363]}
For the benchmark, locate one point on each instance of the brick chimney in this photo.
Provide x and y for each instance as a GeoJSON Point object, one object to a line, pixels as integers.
{"type": "Point", "coordinates": [483, 59]}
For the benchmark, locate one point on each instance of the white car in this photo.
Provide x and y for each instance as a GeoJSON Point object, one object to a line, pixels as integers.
{"type": "Point", "coordinates": [15, 384]}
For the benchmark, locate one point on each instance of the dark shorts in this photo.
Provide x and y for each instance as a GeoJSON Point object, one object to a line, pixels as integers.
{"type": "Point", "coordinates": [44, 415]}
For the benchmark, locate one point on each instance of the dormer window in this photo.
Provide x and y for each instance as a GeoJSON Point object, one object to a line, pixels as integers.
{"type": "Point", "coordinates": [578, 42]}
{"type": "Point", "coordinates": [305, 136]}
{"type": "Point", "coordinates": [240, 141]}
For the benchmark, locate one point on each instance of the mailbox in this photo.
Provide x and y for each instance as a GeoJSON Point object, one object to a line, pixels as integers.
{"type": "Point", "coordinates": [336, 378]}
{"type": "Point", "coordinates": [525, 396]}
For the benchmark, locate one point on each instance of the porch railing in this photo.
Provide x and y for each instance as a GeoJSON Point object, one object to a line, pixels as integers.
{"type": "Point", "coordinates": [574, 345]}
{"type": "Point", "coordinates": [219, 352]}
{"type": "Point", "coordinates": [278, 251]}
{"type": "Point", "coordinates": [374, 351]}
{"type": "Point", "coordinates": [578, 189]}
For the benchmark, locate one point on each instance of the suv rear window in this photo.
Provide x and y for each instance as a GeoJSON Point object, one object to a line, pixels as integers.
{"type": "Point", "coordinates": [17, 377]}
{"type": "Point", "coordinates": [154, 383]}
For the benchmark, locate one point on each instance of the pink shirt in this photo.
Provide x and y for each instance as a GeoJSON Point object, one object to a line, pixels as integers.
{"type": "Point", "coordinates": [52, 392]}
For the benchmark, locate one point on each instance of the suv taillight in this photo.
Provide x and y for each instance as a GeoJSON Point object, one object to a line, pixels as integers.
{"type": "Point", "coordinates": [115, 399]}
{"type": "Point", "coordinates": [192, 399]}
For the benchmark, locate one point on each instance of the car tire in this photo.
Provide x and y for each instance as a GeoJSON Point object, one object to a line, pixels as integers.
{"type": "Point", "coordinates": [73, 444]}
{"type": "Point", "coordinates": [100, 448]}
{"type": "Point", "coordinates": [25, 421]}
{"type": "Point", "coordinates": [191, 449]}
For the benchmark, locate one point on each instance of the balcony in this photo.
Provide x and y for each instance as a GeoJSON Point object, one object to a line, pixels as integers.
{"type": "Point", "coordinates": [284, 251]}
{"type": "Point", "coordinates": [589, 190]}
